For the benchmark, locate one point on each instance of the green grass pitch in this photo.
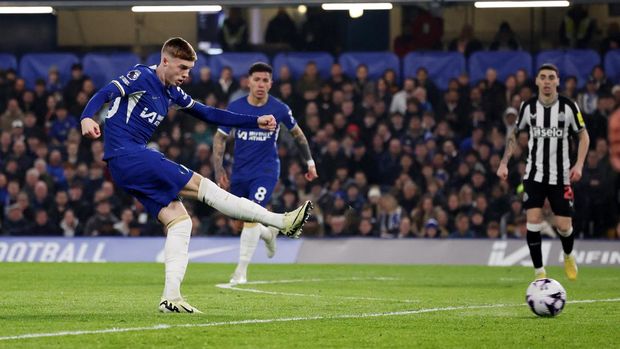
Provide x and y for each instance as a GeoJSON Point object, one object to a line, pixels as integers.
{"type": "Point", "coordinates": [302, 306]}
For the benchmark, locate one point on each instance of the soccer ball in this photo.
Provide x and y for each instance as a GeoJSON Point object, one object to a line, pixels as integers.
{"type": "Point", "coordinates": [546, 297]}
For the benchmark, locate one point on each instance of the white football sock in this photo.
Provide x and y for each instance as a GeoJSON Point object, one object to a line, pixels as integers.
{"type": "Point", "coordinates": [176, 259]}
{"type": "Point", "coordinates": [236, 207]}
{"type": "Point", "coordinates": [247, 246]}
{"type": "Point", "coordinates": [267, 232]}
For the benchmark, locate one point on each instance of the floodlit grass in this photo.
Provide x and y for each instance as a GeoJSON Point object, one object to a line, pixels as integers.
{"type": "Point", "coordinates": [322, 306]}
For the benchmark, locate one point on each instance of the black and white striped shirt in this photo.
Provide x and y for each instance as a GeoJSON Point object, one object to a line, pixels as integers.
{"type": "Point", "coordinates": [548, 158]}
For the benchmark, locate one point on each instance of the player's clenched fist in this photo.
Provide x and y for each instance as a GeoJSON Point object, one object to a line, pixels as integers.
{"type": "Point", "coordinates": [90, 128]}
{"type": "Point", "coordinates": [311, 174]}
{"type": "Point", "coordinates": [502, 171]}
{"type": "Point", "coordinates": [267, 122]}
{"type": "Point", "coordinates": [614, 140]}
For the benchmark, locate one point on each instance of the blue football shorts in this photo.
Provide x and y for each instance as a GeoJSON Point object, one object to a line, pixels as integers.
{"type": "Point", "coordinates": [257, 189]}
{"type": "Point", "coordinates": [150, 177]}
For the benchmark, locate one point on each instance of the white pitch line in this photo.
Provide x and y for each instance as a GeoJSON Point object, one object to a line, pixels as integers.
{"type": "Point", "coordinates": [512, 279]}
{"type": "Point", "coordinates": [290, 281]}
{"type": "Point", "coordinates": [288, 319]}
{"type": "Point", "coordinates": [230, 286]}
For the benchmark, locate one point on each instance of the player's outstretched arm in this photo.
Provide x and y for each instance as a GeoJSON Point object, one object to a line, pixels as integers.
{"type": "Point", "coordinates": [90, 128]}
{"type": "Point", "coordinates": [228, 118]}
{"type": "Point", "coordinates": [302, 142]}
{"type": "Point", "coordinates": [582, 151]}
{"type": "Point", "coordinates": [219, 148]}
{"type": "Point", "coordinates": [511, 143]}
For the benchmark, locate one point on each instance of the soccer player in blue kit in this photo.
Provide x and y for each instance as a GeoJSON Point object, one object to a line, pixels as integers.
{"type": "Point", "coordinates": [256, 166]}
{"type": "Point", "coordinates": [139, 102]}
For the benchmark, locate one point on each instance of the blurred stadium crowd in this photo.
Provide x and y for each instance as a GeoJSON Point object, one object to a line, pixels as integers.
{"type": "Point", "coordinates": [396, 159]}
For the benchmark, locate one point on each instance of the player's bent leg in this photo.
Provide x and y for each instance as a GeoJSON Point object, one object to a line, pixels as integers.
{"type": "Point", "coordinates": [260, 190]}
{"type": "Point", "coordinates": [563, 226]}
{"type": "Point", "coordinates": [534, 241]}
{"type": "Point", "coordinates": [208, 192]}
{"type": "Point", "coordinates": [233, 206]}
{"type": "Point", "coordinates": [179, 229]}
{"type": "Point", "coordinates": [247, 245]}
{"type": "Point", "coordinates": [270, 236]}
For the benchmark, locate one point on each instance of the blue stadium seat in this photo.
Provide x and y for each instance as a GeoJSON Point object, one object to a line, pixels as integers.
{"type": "Point", "coordinates": [571, 62]}
{"type": "Point", "coordinates": [7, 61]}
{"type": "Point", "coordinates": [377, 63]}
{"type": "Point", "coordinates": [203, 61]}
{"type": "Point", "coordinates": [505, 62]}
{"type": "Point", "coordinates": [612, 66]}
{"type": "Point", "coordinates": [238, 62]}
{"type": "Point", "coordinates": [441, 66]}
{"type": "Point", "coordinates": [103, 67]}
{"type": "Point", "coordinates": [36, 65]}
{"type": "Point", "coordinates": [296, 61]}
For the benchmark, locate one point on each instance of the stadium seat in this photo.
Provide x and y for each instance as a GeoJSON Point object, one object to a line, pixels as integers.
{"type": "Point", "coordinates": [37, 65]}
{"type": "Point", "coordinates": [505, 62]}
{"type": "Point", "coordinates": [103, 67]}
{"type": "Point", "coordinates": [203, 61]}
{"type": "Point", "coordinates": [441, 66]}
{"type": "Point", "coordinates": [296, 61]}
{"type": "Point", "coordinates": [612, 66]}
{"type": "Point", "coordinates": [377, 63]}
{"type": "Point", "coordinates": [238, 62]}
{"type": "Point", "coordinates": [571, 62]}
{"type": "Point", "coordinates": [7, 61]}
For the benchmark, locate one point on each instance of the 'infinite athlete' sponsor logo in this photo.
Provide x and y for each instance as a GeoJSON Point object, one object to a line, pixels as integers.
{"type": "Point", "coordinates": [501, 256]}
{"type": "Point", "coordinates": [260, 136]}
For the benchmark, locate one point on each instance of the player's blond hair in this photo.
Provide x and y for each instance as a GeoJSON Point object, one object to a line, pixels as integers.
{"type": "Point", "coordinates": [179, 48]}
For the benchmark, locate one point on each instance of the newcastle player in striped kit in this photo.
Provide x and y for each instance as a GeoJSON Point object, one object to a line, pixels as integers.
{"type": "Point", "coordinates": [550, 119]}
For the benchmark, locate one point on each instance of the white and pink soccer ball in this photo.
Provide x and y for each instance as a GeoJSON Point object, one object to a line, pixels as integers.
{"type": "Point", "coordinates": [546, 297]}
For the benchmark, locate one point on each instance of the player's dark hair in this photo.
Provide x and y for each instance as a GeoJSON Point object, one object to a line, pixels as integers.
{"type": "Point", "coordinates": [179, 48]}
{"type": "Point", "coordinates": [549, 66]}
{"type": "Point", "coordinates": [260, 67]}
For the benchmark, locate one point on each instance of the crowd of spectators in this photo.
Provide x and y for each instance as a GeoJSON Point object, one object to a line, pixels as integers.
{"type": "Point", "coordinates": [396, 159]}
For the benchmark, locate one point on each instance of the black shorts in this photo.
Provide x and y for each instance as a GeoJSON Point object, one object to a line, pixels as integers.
{"type": "Point", "coordinates": [560, 197]}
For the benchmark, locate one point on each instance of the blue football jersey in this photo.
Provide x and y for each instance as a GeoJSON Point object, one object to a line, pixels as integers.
{"type": "Point", "coordinates": [256, 152]}
{"type": "Point", "coordinates": [133, 117]}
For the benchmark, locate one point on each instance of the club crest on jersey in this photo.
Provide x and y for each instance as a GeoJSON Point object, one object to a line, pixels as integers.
{"type": "Point", "coordinates": [561, 117]}
{"type": "Point", "coordinates": [133, 75]}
